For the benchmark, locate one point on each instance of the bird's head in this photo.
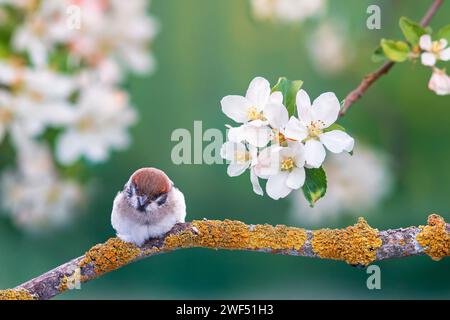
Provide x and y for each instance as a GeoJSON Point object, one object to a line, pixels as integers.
{"type": "Point", "coordinates": [147, 189]}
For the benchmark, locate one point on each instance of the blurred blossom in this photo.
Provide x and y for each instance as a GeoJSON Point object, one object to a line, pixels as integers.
{"type": "Point", "coordinates": [37, 99]}
{"type": "Point", "coordinates": [44, 27]}
{"type": "Point", "coordinates": [99, 123]}
{"type": "Point", "coordinates": [102, 33]}
{"type": "Point", "coordinates": [356, 184]}
{"type": "Point", "coordinates": [329, 48]}
{"type": "Point", "coordinates": [54, 76]}
{"type": "Point", "coordinates": [287, 10]}
{"type": "Point", "coordinates": [34, 195]}
{"type": "Point", "coordinates": [439, 82]}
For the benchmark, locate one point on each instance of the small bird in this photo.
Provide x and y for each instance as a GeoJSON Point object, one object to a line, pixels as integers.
{"type": "Point", "coordinates": [148, 207]}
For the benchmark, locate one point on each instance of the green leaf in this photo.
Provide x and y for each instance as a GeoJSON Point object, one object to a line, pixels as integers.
{"type": "Point", "coordinates": [289, 90]}
{"type": "Point", "coordinates": [334, 126]}
{"type": "Point", "coordinates": [395, 50]}
{"type": "Point", "coordinates": [378, 55]}
{"type": "Point", "coordinates": [444, 33]}
{"type": "Point", "coordinates": [411, 30]}
{"type": "Point", "coordinates": [315, 185]}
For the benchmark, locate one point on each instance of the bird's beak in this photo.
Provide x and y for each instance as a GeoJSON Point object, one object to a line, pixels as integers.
{"type": "Point", "coordinates": [142, 201]}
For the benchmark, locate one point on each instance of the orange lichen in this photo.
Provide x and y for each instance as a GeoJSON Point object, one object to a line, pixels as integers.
{"type": "Point", "coordinates": [229, 234]}
{"type": "Point", "coordinates": [110, 255]}
{"type": "Point", "coordinates": [356, 244]}
{"type": "Point", "coordinates": [63, 284]}
{"type": "Point", "coordinates": [16, 294]}
{"type": "Point", "coordinates": [435, 238]}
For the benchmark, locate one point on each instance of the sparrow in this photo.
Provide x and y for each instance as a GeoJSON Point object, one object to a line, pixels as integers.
{"type": "Point", "coordinates": [148, 207]}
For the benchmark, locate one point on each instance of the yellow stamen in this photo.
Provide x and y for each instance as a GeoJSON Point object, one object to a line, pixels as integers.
{"type": "Point", "coordinates": [315, 128]}
{"type": "Point", "coordinates": [53, 195]}
{"type": "Point", "coordinates": [242, 157]}
{"type": "Point", "coordinates": [5, 116]}
{"type": "Point", "coordinates": [436, 47]}
{"type": "Point", "coordinates": [254, 114]}
{"type": "Point", "coordinates": [85, 124]}
{"type": "Point", "coordinates": [287, 164]}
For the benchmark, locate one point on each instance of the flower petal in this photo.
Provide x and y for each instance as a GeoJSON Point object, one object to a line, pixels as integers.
{"type": "Point", "coordinates": [296, 178]}
{"type": "Point", "coordinates": [443, 43]}
{"type": "Point", "coordinates": [276, 97]}
{"type": "Point", "coordinates": [314, 153]}
{"type": "Point", "coordinates": [236, 134]}
{"type": "Point", "coordinates": [277, 115]}
{"type": "Point", "coordinates": [236, 169]}
{"type": "Point", "coordinates": [300, 154]}
{"type": "Point", "coordinates": [68, 148]}
{"type": "Point", "coordinates": [445, 54]}
{"type": "Point", "coordinates": [425, 42]}
{"type": "Point", "coordinates": [428, 59]}
{"type": "Point", "coordinates": [439, 82]}
{"type": "Point", "coordinates": [337, 141]}
{"type": "Point", "coordinates": [295, 130]}
{"type": "Point", "coordinates": [326, 108]}
{"type": "Point", "coordinates": [258, 93]}
{"type": "Point", "coordinates": [304, 106]}
{"type": "Point", "coordinates": [255, 183]}
{"type": "Point", "coordinates": [276, 186]}
{"type": "Point", "coordinates": [257, 136]}
{"type": "Point", "coordinates": [268, 163]}
{"type": "Point", "coordinates": [236, 107]}
{"type": "Point", "coordinates": [230, 149]}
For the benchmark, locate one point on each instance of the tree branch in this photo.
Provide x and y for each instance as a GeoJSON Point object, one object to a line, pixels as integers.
{"type": "Point", "coordinates": [358, 245]}
{"type": "Point", "coordinates": [369, 79]}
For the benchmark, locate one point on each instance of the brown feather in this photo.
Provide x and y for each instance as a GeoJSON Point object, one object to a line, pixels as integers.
{"type": "Point", "coordinates": [151, 182]}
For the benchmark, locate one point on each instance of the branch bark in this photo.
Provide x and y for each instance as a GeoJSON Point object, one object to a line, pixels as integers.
{"type": "Point", "coordinates": [369, 79]}
{"type": "Point", "coordinates": [358, 245]}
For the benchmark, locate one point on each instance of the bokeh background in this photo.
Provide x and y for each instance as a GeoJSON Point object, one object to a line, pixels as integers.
{"type": "Point", "coordinates": [206, 50]}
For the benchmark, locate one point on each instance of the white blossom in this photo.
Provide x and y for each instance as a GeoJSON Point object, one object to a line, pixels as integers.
{"type": "Point", "coordinates": [241, 157]}
{"type": "Point", "coordinates": [43, 29]}
{"type": "Point", "coordinates": [258, 109]}
{"type": "Point", "coordinates": [287, 10]}
{"type": "Point", "coordinates": [34, 195]}
{"type": "Point", "coordinates": [434, 50]}
{"type": "Point", "coordinates": [37, 99]}
{"type": "Point", "coordinates": [311, 127]}
{"type": "Point", "coordinates": [274, 147]}
{"type": "Point", "coordinates": [329, 49]}
{"type": "Point", "coordinates": [83, 101]}
{"type": "Point", "coordinates": [99, 123]}
{"type": "Point", "coordinates": [356, 184]}
{"type": "Point", "coordinates": [439, 82]}
{"type": "Point", "coordinates": [283, 167]}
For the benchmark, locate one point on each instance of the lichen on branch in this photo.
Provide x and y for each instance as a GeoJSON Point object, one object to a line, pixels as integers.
{"type": "Point", "coordinates": [359, 244]}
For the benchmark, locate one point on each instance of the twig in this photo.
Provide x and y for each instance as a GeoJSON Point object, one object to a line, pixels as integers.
{"type": "Point", "coordinates": [369, 79]}
{"type": "Point", "coordinates": [358, 245]}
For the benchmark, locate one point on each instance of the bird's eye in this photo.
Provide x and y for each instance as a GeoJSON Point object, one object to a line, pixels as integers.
{"type": "Point", "coordinates": [161, 199]}
{"type": "Point", "coordinates": [129, 192]}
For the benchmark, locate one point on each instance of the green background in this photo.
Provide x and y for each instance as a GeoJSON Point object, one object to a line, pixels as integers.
{"type": "Point", "coordinates": [206, 50]}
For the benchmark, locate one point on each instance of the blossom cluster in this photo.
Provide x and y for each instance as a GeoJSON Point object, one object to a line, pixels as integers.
{"type": "Point", "coordinates": [275, 145]}
{"type": "Point", "coordinates": [421, 44]}
{"type": "Point", "coordinates": [61, 72]}
{"type": "Point", "coordinates": [432, 52]}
